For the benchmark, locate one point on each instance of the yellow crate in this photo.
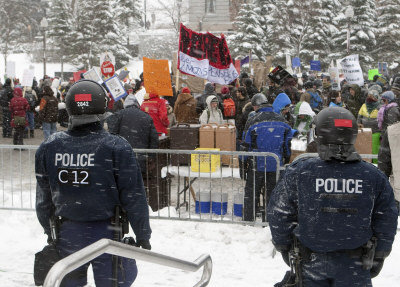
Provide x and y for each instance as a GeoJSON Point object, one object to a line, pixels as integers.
{"type": "Point", "coordinates": [204, 160]}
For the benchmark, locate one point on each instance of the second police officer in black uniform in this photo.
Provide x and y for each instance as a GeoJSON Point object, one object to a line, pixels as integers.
{"type": "Point", "coordinates": [336, 207]}
{"type": "Point", "coordinates": [82, 175]}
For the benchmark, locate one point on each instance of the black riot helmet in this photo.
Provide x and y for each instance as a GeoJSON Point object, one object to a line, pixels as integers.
{"type": "Point", "coordinates": [259, 99]}
{"type": "Point", "coordinates": [335, 126]}
{"type": "Point", "coordinates": [86, 97]}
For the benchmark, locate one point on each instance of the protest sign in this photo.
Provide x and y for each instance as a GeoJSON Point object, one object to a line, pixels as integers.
{"type": "Point", "coordinates": [296, 62]}
{"type": "Point", "coordinates": [237, 66]}
{"type": "Point", "coordinates": [10, 69]}
{"type": "Point", "coordinates": [156, 77]}
{"type": "Point", "coordinates": [352, 70]}
{"type": "Point", "coordinates": [205, 56]}
{"type": "Point", "coordinates": [382, 68]}
{"type": "Point", "coordinates": [115, 88]}
{"type": "Point", "coordinates": [372, 73]}
{"type": "Point", "coordinates": [93, 75]}
{"type": "Point", "coordinates": [140, 95]}
{"type": "Point", "coordinates": [107, 56]}
{"type": "Point", "coordinates": [123, 74]}
{"type": "Point", "coordinates": [315, 65]}
{"type": "Point", "coordinates": [107, 69]}
{"type": "Point", "coordinates": [334, 75]}
{"type": "Point", "coordinates": [27, 78]}
{"type": "Point", "coordinates": [279, 74]}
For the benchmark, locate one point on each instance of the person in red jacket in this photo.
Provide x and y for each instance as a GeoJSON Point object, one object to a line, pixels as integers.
{"type": "Point", "coordinates": [18, 108]}
{"type": "Point", "coordinates": [157, 109]}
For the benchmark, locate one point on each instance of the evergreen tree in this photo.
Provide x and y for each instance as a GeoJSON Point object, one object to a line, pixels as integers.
{"type": "Point", "coordinates": [388, 31]}
{"type": "Point", "coordinates": [127, 16]}
{"type": "Point", "coordinates": [97, 32]}
{"type": "Point", "coordinates": [60, 30]}
{"type": "Point", "coordinates": [249, 36]}
{"type": "Point", "coordinates": [362, 32]}
{"type": "Point", "coordinates": [269, 12]}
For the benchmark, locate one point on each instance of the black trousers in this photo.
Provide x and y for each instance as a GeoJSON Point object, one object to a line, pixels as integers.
{"type": "Point", "coordinates": [7, 129]}
{"type": "Point", "coordinates": [255, 181]}
{"type": "Point", "coordinates": [18, 136]}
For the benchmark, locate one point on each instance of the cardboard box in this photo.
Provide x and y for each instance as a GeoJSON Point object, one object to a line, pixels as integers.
{"type": "Point", "coordinates": [207, 136]}
{"type": "Point", "coordinates": [225, 139]}
{"type": "Point", "coordinates": [363, 142]}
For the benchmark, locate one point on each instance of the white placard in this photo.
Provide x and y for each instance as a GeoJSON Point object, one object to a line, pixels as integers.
{"type": "Point", "coordinates": [10, 69]}
{"type": "Point", "coordinates": [140, 95]}
{"type": "Point", "coordinates": [107, 56]}
{"type": "Point", "coordinates": [116, 88]}
{"type": "Point", "coordinates": [93, 75]}
{"type": "Point", "coordinates": [335, 81]}
{"type": "Point", "coordinates": [27, 78]}
{"type": "Point", "coordinates": [352, 70]}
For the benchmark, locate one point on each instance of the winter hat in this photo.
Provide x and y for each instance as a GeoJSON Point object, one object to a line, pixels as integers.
{"type": "Point", "coordinates": [209, 88]}
{"type": "Point", "coordinates": [396, 84]}
{"type": "Point", "coordinates": [318, 83]}
{"type": "Point", "coordinates": [214, 100]}
{"type": "Point", "coordinates": [7, 82]}
{"type": "Point", "coordinates": [185, 90]}
{"type": "Point", "coordinates": [131, 100]}
{"type": "Point", "coordinates": [127, 87]}
{"type": "Point", "coordinates": [374, 93]}
{"type": "Point", "coordinates": [18, 92]}
{"type": "Point", "coordinates": [376, 87]}
{"type": "Point", "coordinates": [388, 95]}
{"type": "Point", "coordinates": [225, 90]}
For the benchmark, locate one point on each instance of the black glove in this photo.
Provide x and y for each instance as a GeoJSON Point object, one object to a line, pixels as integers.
{"type": "Point", "coordinates": [376, 267]}
{"type": "Point", "coordinates": [144, 243]}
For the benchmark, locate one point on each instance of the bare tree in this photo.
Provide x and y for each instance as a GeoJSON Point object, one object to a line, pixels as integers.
{"type": "Point", "coordinates": [174, 10]}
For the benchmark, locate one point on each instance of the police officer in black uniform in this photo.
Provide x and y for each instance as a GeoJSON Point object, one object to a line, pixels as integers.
{"type": "Point", "coordinates": [82, 175]}
{"type": "Point", "coordinates": [339, 208]}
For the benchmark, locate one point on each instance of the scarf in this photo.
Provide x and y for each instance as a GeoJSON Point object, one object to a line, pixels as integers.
{"type": "Point", "coordinates": [371, 105]}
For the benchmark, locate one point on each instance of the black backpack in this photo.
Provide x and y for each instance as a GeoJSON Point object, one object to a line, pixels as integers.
{"type": "Point", "coordinates": [31, 100]}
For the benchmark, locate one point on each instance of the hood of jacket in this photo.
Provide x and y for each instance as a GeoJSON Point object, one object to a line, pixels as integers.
{"type": "Point", "coordinates": [357, 89]}
{"type": "Point", "coordinates": [208, 101]}
{"type": "Point", "coordinates": [183, 98]}
{"type": "Point", "coordinates": [18, 92]}
{"type": "Point", "coordinates": [281, 101]}
{"type": "Point", "coordinates": [209, 89]}
{"type": "Point", "coordinates": [131, 101]}
{"type": "Point", "coordinates": [305, 109]}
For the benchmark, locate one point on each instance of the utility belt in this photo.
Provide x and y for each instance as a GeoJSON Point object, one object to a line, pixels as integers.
{"type": "Point", "coordinates": [365, 252]}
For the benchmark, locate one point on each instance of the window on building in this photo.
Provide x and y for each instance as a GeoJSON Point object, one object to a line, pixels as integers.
{"type": "Point", "coordinates": [210, 6]}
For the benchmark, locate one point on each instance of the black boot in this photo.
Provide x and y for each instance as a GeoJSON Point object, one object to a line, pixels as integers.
{"type": "Point", "coordinates": [32, 134]}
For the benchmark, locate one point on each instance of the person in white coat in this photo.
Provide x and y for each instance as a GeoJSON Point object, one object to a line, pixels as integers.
{"type": "Point", "coordinates": [212, 114]}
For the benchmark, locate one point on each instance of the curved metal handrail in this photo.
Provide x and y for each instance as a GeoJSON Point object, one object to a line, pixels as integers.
{"type": "Point", "coordinates": [77, 259]}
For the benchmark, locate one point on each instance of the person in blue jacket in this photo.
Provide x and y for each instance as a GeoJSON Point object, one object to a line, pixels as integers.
{"type": "Point", "coordinates": [82, 175]}
{"type": "Point", "coordinates": [266, 131]}
{"type": "Point", "coordinates": [315, 101]}
{"type": "Point", "coordinates": [337, 206]}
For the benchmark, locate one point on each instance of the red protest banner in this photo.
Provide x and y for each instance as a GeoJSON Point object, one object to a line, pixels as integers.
{"type": "Point", "coordinates": [206, 56]}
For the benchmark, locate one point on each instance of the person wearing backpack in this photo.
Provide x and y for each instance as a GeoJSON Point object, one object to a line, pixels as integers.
{"type": "Point", "coordinates": [30, 96]}
{"type": "Point", "coordinates": [212, 114]}
{"type": "Point", "coordinates": [228, 104]}
{"type": "Point", "coordinates": [6, 95]}
{"type": "Point", "coordinates": [48, 112]}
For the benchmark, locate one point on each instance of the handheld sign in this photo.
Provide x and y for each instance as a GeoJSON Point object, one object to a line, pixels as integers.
{"type": "Point", "coordinates": [116, 88]}
{"type": "Point", "coordinates": [279, 74]}
{"type": "Point", "coordinates": [93, 75]}
{"type": "Point", "coordinates": [107, 69]}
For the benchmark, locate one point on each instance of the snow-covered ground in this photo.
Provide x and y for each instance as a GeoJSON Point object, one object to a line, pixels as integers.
{"type": "Point", "coordinates": [242, 255]}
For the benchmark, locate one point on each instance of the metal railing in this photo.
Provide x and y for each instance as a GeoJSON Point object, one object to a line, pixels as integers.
{"type": "Point", "coordinates": [177, 187]}
{"type": "Point", "coordinates": [85, 255]}
{"type": "Point", "coordinates": [171, 184]}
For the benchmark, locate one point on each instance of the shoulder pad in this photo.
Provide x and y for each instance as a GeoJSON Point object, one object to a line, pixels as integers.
{"type": "Point", "coordinates": [301, 160]}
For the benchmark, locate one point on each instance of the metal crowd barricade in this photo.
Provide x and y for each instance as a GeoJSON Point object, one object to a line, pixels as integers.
{"type": "Point", "coordinates": [77, 259]}
{"type": "Point", "coordinates": [174, 191]}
